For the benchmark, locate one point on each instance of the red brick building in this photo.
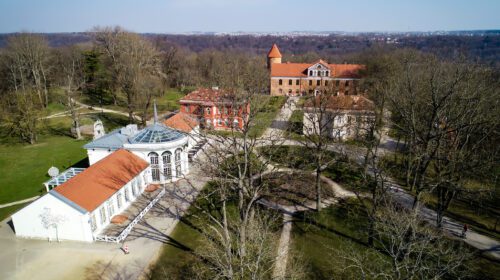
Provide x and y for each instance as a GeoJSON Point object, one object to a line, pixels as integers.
{"type": "Point", "coordinates": [215, 108]}
{"type": "Point", "coordinates": [293, 79]}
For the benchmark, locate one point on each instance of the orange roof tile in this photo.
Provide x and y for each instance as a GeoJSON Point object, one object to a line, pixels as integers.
{"type": "Point", "coordinates": [300, 69]}
{"type": "Point", "coordinates": [342, 102]}
{"type": "Point", "coordinates": [101, 180]}
{"type": "Point", "coordinates": [208, 96]}
{"type": "Point", "coordinates": [182, 122]}
{"type": "Point", "coordinates": [274, 52]}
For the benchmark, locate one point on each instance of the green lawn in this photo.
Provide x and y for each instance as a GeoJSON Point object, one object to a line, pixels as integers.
{"type": "Point", "coordinates": [170, 100]}
{"type": "Point", "coordinates": [268, 107]}
{"type": "Point", "coordinates": [24, 167]}
{"type": "Point", "coordinates": [482, 218]}
{"type": "Point", "coordinates": [177, 259]}
{"type": "Point", "coordinates": [320, 239]}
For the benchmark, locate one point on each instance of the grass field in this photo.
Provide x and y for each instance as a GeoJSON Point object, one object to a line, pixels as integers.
{"type": "Point", "coordinates": [321, 240]}
{"type": "Point", "coordinates": [24, 167]}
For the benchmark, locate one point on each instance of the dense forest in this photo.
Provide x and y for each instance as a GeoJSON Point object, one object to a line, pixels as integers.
{"type": "Point", "coordinates": [484, 48]}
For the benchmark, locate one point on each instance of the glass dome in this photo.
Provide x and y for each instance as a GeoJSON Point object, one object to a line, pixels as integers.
{"type": "Point", "coordinates": [156, 133]}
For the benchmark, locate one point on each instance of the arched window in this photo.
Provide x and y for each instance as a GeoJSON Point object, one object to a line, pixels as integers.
{"type": "Point", "coordinates": [153, 158]}
{"type": "Point", "coordinates": [167, 164]}
{"type": "Point", "coordinates": [178, 169]}
{"type": "Point", "coordinates": [280, 82]}
{"type": "Point", "coordinates": [155, 168]}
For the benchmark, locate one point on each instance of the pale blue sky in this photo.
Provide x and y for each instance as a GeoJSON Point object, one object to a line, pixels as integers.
{"type": "Point", "coordinates": [174, 16]}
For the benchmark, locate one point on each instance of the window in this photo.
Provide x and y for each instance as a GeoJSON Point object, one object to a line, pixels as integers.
{"type": "Point", "coordinates": [167, 171]}
{"type": "Point", "coordinates": [346, 92]}
{"type": "Point", "coordinates": [93, 224]}
{"type": "Point", "coordinates": [111, 209]}
{"type": "Point", "coordinates": [318, 82]}
{"type": "Point", "coordinates": [310, 72]}
{"type": "Point", "coordinates": [346, 83]}
{"type": "Point", "coordinates": [155, 169]}
{"type": "Point", "coordinates": [310, 82]}
{"type": "Point", "coordinates": [178, 154]}
{"type": "Point", "coordinates": [153, 158]}
{"type": "Point", "coordinates": [326, 83]}
{"type": "Point", "coordinates": [219, 121]}
{"type": "Point", "coordinates": [186, 108]}
{"type": "Point", "coordinates": [132, 186]}
{"type": "Point", "coordinates": [127, 197]}
{"type": "Point", "coordinates": [289, 91]}
{"type": "Point", "coordinates": [297, 82]}
{"type": "Point", "coordinates": [310, 91]}
{"type": "Point", "coordinates": [280, 82]}
{"type": "Point", "coordinates": [297, 91]}
{"type": "Point", "coordinates": [337, 83]}
{"type": "Point", "coordinates": [280, 90]}
{"type": "Point", "coordinates": [102, 213]}
{"type": "Point", "coordinates": [290, 82]}
{"type": "Point", "coordinates": [208, 110]}
{"type": "Point", "coordinates": [178, 170]}
{"type": "Point", "coordinates": [119, 200]}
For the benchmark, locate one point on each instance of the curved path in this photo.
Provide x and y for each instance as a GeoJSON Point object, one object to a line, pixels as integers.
{"type": "Point", "coordinates": [485, 244]}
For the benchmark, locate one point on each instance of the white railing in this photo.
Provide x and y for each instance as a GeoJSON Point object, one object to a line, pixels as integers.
{"type": "Point", "coordinates": [128, 229]}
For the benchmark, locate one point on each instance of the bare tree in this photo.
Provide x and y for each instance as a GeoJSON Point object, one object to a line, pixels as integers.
{"type": "Point", "coordinates": [27, 57]}
{"type": "Point", "coordinates": [71, 66]}
{"type": "Point", "coordinates": [446, 112]}
{"type": "Point", "coordinates": [407, 249]}
{"type": "Point", "coordinates": [131, 59]}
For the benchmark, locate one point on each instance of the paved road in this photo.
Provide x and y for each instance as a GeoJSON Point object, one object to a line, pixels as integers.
{"type": "Point", "coordinates": [280, 123]}
{"type": "Point", "coordinates": [19, 202]}
{"type": "Point", "coordinates": [38, 259]}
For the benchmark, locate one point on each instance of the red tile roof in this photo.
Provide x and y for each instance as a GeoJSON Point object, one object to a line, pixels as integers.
{"type": "Point", "coordinates": [208, 96]}
{"type": "Point", "coordinates": [342, 102]}
{"type": "Point", "coordinates": [274, 52]}
{"type": "Point", "coordinates": [100, 181]}
{"type": "Point", "coordinates": [300, 69]}
{"type": "Point", "coordinates": [182, 122]}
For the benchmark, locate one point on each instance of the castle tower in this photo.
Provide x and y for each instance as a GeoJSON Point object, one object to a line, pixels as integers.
{"type": "Point", "coordinates": [273, 56]}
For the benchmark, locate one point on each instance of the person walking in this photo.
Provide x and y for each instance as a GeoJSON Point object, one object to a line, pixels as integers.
{"type": "Point", "coordinates": [125, 249]}
{"type": "Point", "coordinates": [464, 230]}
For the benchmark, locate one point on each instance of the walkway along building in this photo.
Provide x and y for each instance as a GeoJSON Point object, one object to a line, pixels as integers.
{"type": "Point", "coordinates": [299, 79]}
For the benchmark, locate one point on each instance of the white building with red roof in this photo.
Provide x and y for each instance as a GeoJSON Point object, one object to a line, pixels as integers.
{"type": "Point", "coordinates": [80, 208]}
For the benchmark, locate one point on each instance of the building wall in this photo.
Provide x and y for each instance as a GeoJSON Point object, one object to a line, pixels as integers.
{"type": "Point", "coordinates": [184, 161]}
{"type": "Point", "coordinates": [345, 125]}
{"type": "Point", "coordinates": [118, 202]}
{"type": "Point", "coordinates": [74, 225]}
{"type": "Point", "coordinates": [308, 85]}
{"type": "Point", "coordinates": [96, 155]}
{"type": "Point", "coordinates": [217, 116]}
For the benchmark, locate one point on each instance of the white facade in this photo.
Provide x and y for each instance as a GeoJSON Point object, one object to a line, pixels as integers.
{"type": "Point", "coordinates": [54, 217]}
{"type": "Point", "coordinates": [341, 125]}
{"type": "Point", "coordinates": [67, 222]}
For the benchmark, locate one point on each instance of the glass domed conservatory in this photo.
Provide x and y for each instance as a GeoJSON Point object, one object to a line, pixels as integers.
{"type": "Point", "coordinates": [165, 148]}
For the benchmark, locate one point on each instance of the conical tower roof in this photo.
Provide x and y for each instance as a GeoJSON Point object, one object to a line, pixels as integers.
{"type": "Point", "coordinates": [274, 52]}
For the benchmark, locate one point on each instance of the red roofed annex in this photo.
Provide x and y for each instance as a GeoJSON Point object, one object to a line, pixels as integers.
{"type": "Point", "coordinates": [299, 79]}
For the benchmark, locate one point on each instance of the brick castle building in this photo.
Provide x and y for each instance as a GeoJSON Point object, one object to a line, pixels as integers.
{"type": "Point", "coordinates": [215, 108]}
{"type": "Point", "coordinates": [295, 79]}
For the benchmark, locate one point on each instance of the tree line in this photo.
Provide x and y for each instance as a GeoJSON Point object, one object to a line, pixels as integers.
{"type": "Point", "coordinates": [117, 67]}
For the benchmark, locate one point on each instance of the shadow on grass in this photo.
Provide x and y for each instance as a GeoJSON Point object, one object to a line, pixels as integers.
{"type": "Point", "coordinates": [302, 217]}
